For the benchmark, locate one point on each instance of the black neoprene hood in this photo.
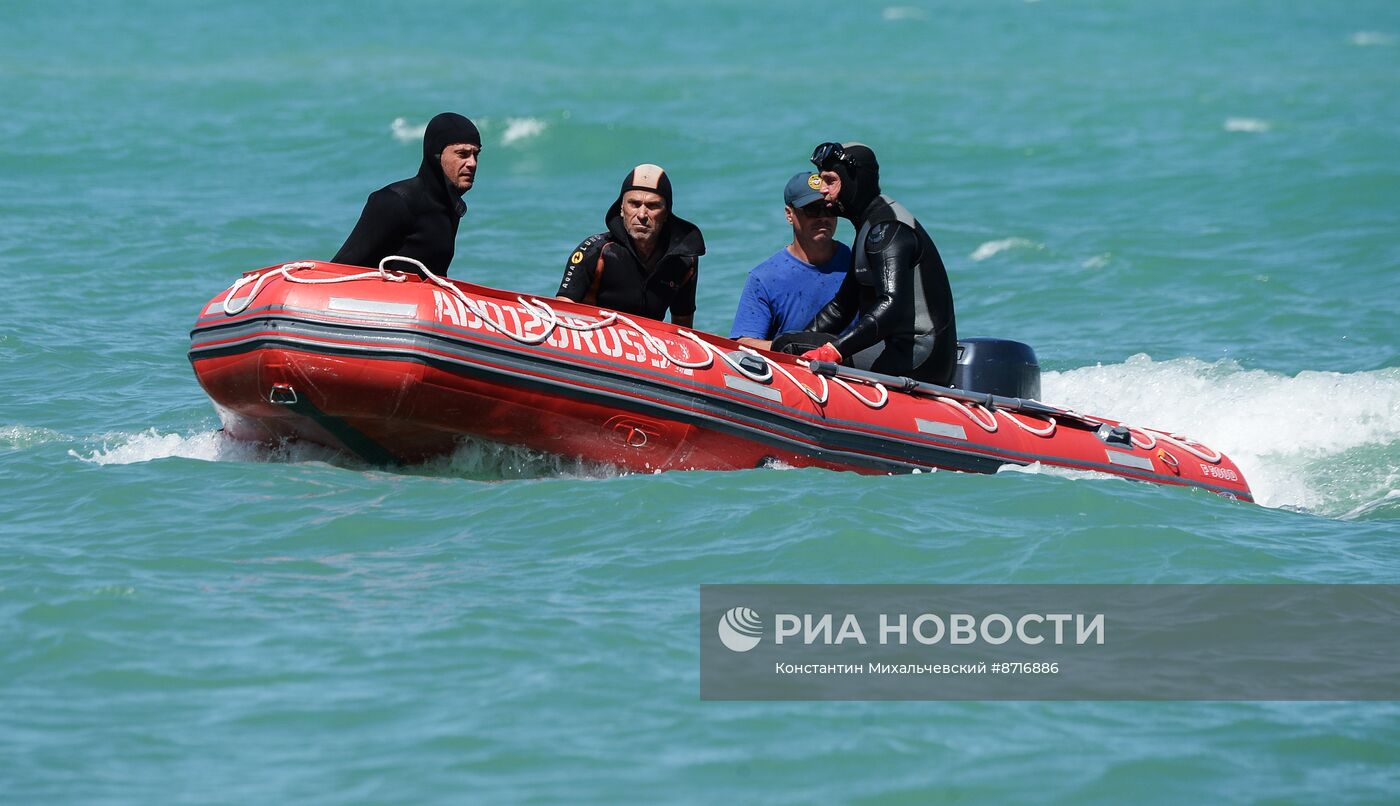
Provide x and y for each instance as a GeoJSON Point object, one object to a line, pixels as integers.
{"type": "Point", "coordinates": [448, 128]}
{"type": "Point", "coordinates": [860, 183]}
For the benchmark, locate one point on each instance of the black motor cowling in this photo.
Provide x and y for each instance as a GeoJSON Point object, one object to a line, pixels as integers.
{"type": "Point", "coordinates": [998, 367]}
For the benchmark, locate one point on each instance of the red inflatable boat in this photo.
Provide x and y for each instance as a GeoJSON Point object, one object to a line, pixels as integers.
{"type": "Point", "coordinates": [398, 367]}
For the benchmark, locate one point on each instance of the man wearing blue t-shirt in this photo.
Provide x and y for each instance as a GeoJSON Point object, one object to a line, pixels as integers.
{"type": "Point", "coordinates": [786, 291]}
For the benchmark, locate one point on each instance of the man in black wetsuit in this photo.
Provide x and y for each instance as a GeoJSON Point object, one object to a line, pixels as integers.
{"type": "Point", "coordinates": [418, 217]}
{"type": "Point", "coordinates": [895, 310]}
{"type": "Point", "coordinates": [647, 260]}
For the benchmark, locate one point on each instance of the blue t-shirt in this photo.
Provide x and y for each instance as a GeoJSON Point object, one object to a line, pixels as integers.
{"type": "Point", "coordinates": [784, 294]}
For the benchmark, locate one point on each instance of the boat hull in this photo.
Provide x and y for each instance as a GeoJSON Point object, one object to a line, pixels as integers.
{"type": "Point", "coordinates": [400, 370]}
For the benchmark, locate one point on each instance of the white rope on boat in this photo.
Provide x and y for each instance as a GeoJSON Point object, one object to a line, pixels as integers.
{"type": "Point", "coordinates": [877, 403]}
{"type": "Point", "coordinates": [1151, 440]}
{"type": "Point", "coordinates": [991, 415]}
{"type": "Point", "coordinates": [1187, 444]}
{"type": "Point", "coordinates": [821, 399]}
{"type": "Point", "coordinates": [553, 321]}
{"type": "Point", "coordinates": [479, 311]}
{"type": "Point", "coordinates": [1151, 437]}
{"type": "Point", "coordinates": [614, 319]}
{"type": "Point", "coordinates": [286, 269]}
{"type": "Point", "coordinates": [541, 305]}
{"type": "Point", "coordinates": [1040, 432]}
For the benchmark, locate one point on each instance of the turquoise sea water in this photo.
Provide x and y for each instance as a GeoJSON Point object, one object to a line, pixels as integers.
{"type": "Point", "coordinates": [1188, 208]}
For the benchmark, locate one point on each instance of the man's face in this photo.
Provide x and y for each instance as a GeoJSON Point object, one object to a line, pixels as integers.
{"type": "Point", "coordinates": [815, 222]}
{"type": "Point", "coordinates": [831, 185]}
{"type": "Point", "coordinates": [643, 215]}
{"type": "Point", "coordinates": [459, 165]}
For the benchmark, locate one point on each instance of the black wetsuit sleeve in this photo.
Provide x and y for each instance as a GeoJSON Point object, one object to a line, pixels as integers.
{"type": "Point", "coordinates": [891, 252]}
{"type": "Point", "coordinates": [381, 230]}
{"type": "Point", "coordinates": [834, 317]}
{"type": "Point", "coordinates": [683, 304]}
{"type": "Point", "coordinates": [580, 268]}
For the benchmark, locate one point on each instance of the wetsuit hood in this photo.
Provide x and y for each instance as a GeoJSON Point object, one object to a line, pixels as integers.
{"type": "Point", "coordinates": [648, 177]}
{"type": "Point", "coordinates": [678, 236]}
{"type": "Point", "coordinates": [860, 179]}
{"type": "Point", "coordinates": [448, 128]}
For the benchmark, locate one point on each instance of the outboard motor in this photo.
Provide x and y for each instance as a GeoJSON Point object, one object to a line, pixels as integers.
{"type": "Point", "coordinates": [998, 367]}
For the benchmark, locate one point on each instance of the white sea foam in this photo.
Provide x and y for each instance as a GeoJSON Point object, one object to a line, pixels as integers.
{"type": "Point", "coordinates": [518, 129]}
{"type": "Point", "coordinates": [207, 446]}
{"type": "Point", "coordinates": [1371, 39]}
{"type": "Point", "coordinates": [1251, 125]}
{"type": "Point", "coordinates": [473, 458]}
{"type": "Point", "coordinates": [23, 436]}
{"type": "Point", "coordinates": [1322, 441]}
{"type": "Point", "coordinates": [480, 459]}
{"type": "Point", "coordinates": [896, 13]}
{"type": "Point", "coordinates": [1098, 261]}
{"type": "Point", "coordinates": [993, 248]}
{"type": "Point", "coordinates": [1038, 469]}
{"type": "Point", "coordinates": [406, 132]}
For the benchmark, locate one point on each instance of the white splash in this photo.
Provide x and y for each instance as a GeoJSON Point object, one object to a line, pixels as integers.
{"type": "Point", "coordinates": [1097, 261]}
{"type": "Point", "coordinates": [993, 248]}
{"type": "Point", "coordinates": [1251, 125]}
{"type": "Point", "coordinates": [475, 459]}
{"type": "Point", "coordinates": [406, 132]}
{"type": "Point", "coordinates": [480, 459]}
{"type": "Point", "coordinates": [1371, 39]}
{"type": "Point", "coordinates": [1038, 469]}
{"type": "Point", "coordinates": [1322, 441]}
{"type": "Point", "coordinates": [518, 129]}
{"type": "Point", "coordinates": [896, 13]}
{"type": "Point", "coordinates": [206, 446]}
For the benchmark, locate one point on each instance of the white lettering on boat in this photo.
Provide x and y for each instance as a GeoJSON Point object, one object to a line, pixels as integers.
{"type": "Point", "coordinates": [1219, 472]}
{"type": "Point", "coordinates": [618, 341]}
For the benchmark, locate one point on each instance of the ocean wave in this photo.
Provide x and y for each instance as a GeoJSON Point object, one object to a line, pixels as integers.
{"type": "Point", "coordinates": [1366, 39]}
{"type": "Point", "coordinates": [1385, 507]}
{"type": "Point", "coordinates": [518, 129]}
{"type": "Point", "coordinates": [897, 13]}
{"type": "Point", "coordinates": [993, 248]}
{"type": "Point", "coordinates": [1250, 125]}
{"type": "Point", "coordinates": [1325, 442]}
{"type": "Point", "coordinates": [406, 132]}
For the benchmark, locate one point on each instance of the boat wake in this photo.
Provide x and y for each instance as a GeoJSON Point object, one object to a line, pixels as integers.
{"type": "Point", "coordinates": [473, 459]}
{"type": "Point", "coordinates": [207, 446]}
{"type": "Point", "coordinates": [1323, 442]}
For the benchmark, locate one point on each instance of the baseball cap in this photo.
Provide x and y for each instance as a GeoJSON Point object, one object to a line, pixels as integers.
{"type": "Point", "coordinates": [802, 189]}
